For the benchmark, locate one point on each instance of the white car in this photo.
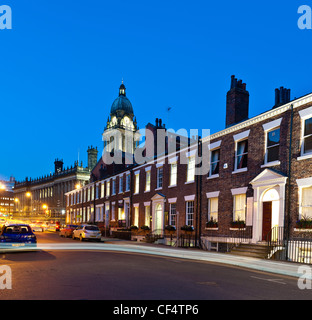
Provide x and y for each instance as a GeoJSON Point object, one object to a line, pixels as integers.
{"type": "Point", "coordinates": [37, 227]}
{"type": "Point", "coordinates": [87, 231]}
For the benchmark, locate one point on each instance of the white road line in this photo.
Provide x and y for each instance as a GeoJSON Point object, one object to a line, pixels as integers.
{"type": "Point", "coordinates": [279, 281]}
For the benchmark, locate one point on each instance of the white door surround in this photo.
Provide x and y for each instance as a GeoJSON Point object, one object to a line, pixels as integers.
{"type": "Point", "coordinates": [158, 213]}
{"type": "Point", "coordinates": [269, 186]}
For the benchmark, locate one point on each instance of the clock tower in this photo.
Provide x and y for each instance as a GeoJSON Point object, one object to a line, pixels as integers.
{"type": "Point", "coordinates": [121, 127]}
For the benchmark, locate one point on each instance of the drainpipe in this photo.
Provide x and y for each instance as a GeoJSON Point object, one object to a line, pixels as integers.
{"type": "Point", "coordinates": [198, 192]}
{"type": "Point", "coordinates": [288, 197]}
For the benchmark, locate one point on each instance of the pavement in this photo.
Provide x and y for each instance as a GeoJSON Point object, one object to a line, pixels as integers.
{"type": "Point", "coordinates": [117, 245]}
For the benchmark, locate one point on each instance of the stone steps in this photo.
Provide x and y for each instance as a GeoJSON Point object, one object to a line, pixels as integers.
{"type": "Point", "coordinates": [251, 250]}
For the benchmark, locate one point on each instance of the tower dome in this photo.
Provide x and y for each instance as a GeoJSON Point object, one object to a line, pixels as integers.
{"type": "Point", "coordinates": [122, 103]}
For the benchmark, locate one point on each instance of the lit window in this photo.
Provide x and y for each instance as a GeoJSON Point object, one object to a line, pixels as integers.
{"type": "Point", "coordinates": [306, 203]}
{"type": "Point", "coordinates": [137, 183]}
{"type": "Point", "coordinates": [239, 207]}
{"type": "Point", "coordinates": [107, 188]}
{"type": "Point", "coordinates": [173, 174]}
{"type": "Point", "coordinates": [147, 215]}
{"type": "Point", "coordinates": [190, 169]}
{"type": "Point", "coordinates": [213, 209]}
{"type": "Point", "coordinates": [102, 189]}
{"type": "Point", "coordinates": [136, 216]}
{"type": "Point", "coordinates": [148, 181]}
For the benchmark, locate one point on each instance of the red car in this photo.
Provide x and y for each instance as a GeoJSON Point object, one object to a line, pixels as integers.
{"type": "Point", "coordinates": [67, 231]}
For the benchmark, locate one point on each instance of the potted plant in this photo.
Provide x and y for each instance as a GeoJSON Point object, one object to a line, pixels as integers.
{"type": "Point", "coordinates": [146, 228]}
{"type": "Point", "coordinates": [170, 228]}
{"type": "Point", "coordinates": [134, 228]}
{"type": "Point", "coordinates": [187, 228]}
{"type": "Point", "coordinates": [304, 223]}
{"type": "Point", "coordinates": [238, 224]}
{"type": "Point", "coordinates": [212, 224]}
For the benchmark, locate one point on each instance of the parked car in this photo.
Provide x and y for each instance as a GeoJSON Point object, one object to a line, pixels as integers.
{"type": "Point", "coordinates": [67, 231]}
{"type": "Point", "coordinates": [17, 235]}
{"type": "Point", "coordinates": [37, 226]}
{"type": "Point", "coordinates": [87, 231]}
{"type": "Point", "coordinates": [54, 226]}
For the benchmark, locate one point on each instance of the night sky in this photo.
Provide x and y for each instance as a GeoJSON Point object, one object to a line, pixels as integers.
{"type": "Point", "coordinates": [63, 61]}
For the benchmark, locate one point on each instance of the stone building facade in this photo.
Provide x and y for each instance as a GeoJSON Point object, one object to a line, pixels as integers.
{"type": "Point", "coordinates": [46, 195]}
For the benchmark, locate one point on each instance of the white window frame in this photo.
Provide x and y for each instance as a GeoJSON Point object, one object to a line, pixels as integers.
{"type": "Point", "coordinates": [305, 114]}
{"type": "Point", "coordinates": [188, 214]}
{"type": "Point", "coordinates": [239, 138]}
{"type": "Point", "coordinates": [173, 217]}
{"type": "Point", "coordinates": [147, 180]}
{"type": "Point", "coordinates": [120, 184]}
{"type": "Point", "coordinates": [128, 182]}
{"type": "Point", "coordinates": [190, 171]}
{"type": "Point", "coordinates": [136, 182]}
{"type": "Point", "coordinates": [268, 127]}
{"type": "Point", "coordinates": [160, 178]}
{"type": "Point", "coordinates": [173, 174]}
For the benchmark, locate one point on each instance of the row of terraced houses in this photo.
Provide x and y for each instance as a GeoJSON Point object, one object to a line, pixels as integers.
{"type": "Point", "coordinates": [259, 177]}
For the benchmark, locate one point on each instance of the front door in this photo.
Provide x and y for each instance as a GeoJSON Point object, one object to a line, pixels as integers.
{"type": "Point", "coordinates": [267, 220]}
{"type": "Point", "coordinates": [158, 219]}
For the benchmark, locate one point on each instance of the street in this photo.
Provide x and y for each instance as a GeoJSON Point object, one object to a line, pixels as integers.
{"type": "Point", "coordinates": [100, 275]}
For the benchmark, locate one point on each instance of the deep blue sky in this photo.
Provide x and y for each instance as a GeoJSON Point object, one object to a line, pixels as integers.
{"type": "Point", "coordinates": [63, 61]}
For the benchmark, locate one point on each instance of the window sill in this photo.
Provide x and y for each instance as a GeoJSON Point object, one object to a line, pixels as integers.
{"type": "Point", "coordinates": [147, 191]}
{"type": "Point", "coordinates": [271, 164]}
{"type": "Point", "coordinates": [212, 229]}
{"type": "Point", "coordinates": [302, 230]}
{"type": "Point", "coordinates": [158, 189]}
{"type": "Point", "coordinates": [174, 185]}
{"type": "Point", "coordinates": [240, 170]}
{"type": "Point", "coordinates": [304, 157]}
{"type": "Point", "coordinates": [213, 176]}
{"type": "Point", "coordinates": [188, 182]}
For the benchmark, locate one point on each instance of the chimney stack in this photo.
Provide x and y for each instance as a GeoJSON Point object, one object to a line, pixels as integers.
{"type": "Point", "coordinates": [237, 103]}
{"type": "Point", "coordinates": [282, 96]}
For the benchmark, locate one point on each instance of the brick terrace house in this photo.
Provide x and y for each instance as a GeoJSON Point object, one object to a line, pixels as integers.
{"type": "Point", "coordinates": [260, 178]}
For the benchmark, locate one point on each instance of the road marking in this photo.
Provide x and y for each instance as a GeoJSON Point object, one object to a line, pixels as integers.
{"type": "Point", "coordinates": [279, 281]}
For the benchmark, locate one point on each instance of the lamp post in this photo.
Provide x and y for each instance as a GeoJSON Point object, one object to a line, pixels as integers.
{"type": "Point", "coordinates": [28, 195]}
